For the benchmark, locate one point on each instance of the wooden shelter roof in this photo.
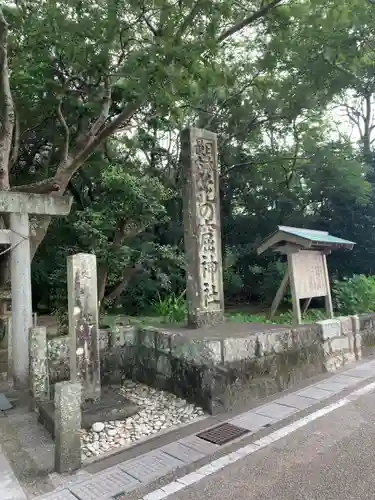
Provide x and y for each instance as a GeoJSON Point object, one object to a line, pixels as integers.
{"type": "Point", "coordinates": [305, 238]}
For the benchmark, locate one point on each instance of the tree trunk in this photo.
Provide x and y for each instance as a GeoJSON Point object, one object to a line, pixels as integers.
{"type": "Point", "coordinates": [102, 282]}
{"type": "Point", "coordinates": [124, 283]}
{"type": "Point", "coordinates": [7, 120]}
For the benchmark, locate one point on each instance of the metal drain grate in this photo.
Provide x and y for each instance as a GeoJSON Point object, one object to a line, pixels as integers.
{"type": "Point", "coordinates": [222, 433]}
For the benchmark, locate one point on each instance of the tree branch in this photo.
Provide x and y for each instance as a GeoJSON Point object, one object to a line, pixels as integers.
{"type": "Point", "coordinates": [124, 283]}
{"type": "Point", "coordinates": [60, 116]}
{"type": "Point", "coordinates": [31, 129]}
{"type": "Point", "coordinates": [124, 231]}
{"type": "Point", "coordinates": [16, 142]}
{"type": "Point", "coordinates": [150, 26]}
{"type": "Point", "coordinates": [92, 140]}
{"type": "Point", "coordinates": [249, 20]}
{"type": "Point", "coordinates": [188, 21]}
{"type": "Point", "coordinates": [87, 143]}
{"type": "Point", "coordinates": [41, 187]}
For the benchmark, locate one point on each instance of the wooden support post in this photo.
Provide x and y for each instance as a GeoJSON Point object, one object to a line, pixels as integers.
{"type": "Point", "coordinates": [306, 305]}
{"type": "Point", "coordinates": [279, 294]}
{"type": "Point", "coordinates": [328, 297]}
{"type": "Point", "coordinates": [295, 299]}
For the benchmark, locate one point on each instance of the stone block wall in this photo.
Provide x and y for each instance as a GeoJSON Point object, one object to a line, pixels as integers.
{"type": "Point", "coordinates": [222, 374]}
{"type": "Point", "coordinates": [366, 327]}
{"type": "Point", "coordinates": [341, 341]}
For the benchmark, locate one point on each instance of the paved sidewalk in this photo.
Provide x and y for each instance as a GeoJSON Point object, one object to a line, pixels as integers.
{"type": "Point", "coordinates": [324, 454]}
{"type": "Point", "coordinates": [10, 488]}
{"type": "Point", "coordinates": [138, 472]}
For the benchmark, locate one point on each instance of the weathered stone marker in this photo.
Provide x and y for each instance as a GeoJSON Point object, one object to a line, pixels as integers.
{"type": "Point", "coordinates": [67, 426]}
{"type": "Point", "coordinates": [10, 349]}
{"type": "Point", "coordinates": [39, 376]}
{"type": "Point", "coordinates": [83, 324]}
{"type": "Point", "coordinates": [202, 231]}
{"type": "Point", "coordinates": [19, 206]}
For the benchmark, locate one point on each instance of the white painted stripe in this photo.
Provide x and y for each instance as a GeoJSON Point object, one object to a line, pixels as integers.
{"type": "Point", "coordinates": [363, 390]}
{"type": "Point", "coordinates": [224, 461]}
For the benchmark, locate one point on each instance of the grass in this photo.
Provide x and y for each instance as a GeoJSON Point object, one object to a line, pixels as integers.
{"type": "Point", "coordinates": [233, 316]}
{"type": "Point", "coordinates": [285, 318]}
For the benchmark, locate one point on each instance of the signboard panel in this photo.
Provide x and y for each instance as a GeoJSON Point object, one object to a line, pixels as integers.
{"type": "Point", "coordinates": [309, 273]}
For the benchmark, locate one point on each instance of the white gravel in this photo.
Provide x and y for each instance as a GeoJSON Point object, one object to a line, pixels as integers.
{"type": "Point", "coordinates": [158, 410]}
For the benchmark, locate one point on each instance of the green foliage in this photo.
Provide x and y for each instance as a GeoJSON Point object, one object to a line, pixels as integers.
{"type": "Point", "coordinates": [271, 96]}
{"type": "Point", "coordinates": [171, 309]}
{"type": "Point", "coordinates": [311, 316]}
{"type": "Point", "coordinates": [286, 318]}
{"type": "Point", "coordinates": [271, 278]}
{"type": "Point", "coordinates": [249, 318]}
{"type": "Point", "coordinates": [232, 279]}
{"type": "Point", "coordinates": [62, 318]}
{"type": "Point", "coordinates": [355, 295]}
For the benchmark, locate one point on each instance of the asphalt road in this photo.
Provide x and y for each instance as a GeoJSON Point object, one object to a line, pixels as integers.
{"type": "Point", "coordinates": [331, 458]}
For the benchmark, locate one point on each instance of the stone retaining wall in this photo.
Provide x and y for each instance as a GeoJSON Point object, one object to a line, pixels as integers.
{"type": "Point", "coordinates": [220, 374]}
{"type": "Point", "coordinates": [367, 332]}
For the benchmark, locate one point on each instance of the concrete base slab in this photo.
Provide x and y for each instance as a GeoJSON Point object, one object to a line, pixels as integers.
{"type": "Point", "coordinates": [275, 411]}
{"type": "Point", "coordinates": [315, 393]}
{"type": "Point", "coordinates": [298, 402]}
{"type": "Point", "coordinates": [151, 466]}
{"type": "Point", "coordinates": [104, 485]}
{"type": "Point", "coordinates": [252, 421]}
{"type": "Point", "coordinates": [111, 406]}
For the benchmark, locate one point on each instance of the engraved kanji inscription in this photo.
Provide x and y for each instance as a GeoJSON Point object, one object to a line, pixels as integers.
{"type": "Point", "coordinates": [202, 228]}
{"type": "Point", "coordinates": [309, 270]}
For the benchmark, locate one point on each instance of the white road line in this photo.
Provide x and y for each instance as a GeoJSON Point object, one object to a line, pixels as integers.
{"type": "Point", "coordinates": [224, 461]}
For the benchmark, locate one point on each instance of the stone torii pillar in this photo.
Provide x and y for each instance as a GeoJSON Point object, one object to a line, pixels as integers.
{"type": "Point", "coordinates": [19, 206]}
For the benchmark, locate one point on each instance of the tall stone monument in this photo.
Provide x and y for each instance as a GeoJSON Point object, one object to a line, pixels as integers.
{"type": "Point", "coordinates": [202, 232]}
{"type": "Point", "coordinates": [83, 324]}
{"type": "Point", "coordinates": [19, 206]}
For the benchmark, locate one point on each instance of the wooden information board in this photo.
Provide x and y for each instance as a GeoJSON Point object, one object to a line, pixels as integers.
{"type": "Point", "coordinates": [307, 274]}
{"type": "Point", "coordinates": [310, 276]}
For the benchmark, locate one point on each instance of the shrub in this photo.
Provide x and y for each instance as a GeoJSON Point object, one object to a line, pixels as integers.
{"type": "Point", "coordinates": [171, 309]}
{"type": "Point", "coordinates": [355, 295]}
{"type": "Point", "coordinates": [270, 278]}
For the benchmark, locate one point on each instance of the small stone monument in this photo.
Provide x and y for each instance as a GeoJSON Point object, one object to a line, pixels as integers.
{"type": "Point", "coordinates": [307, 272]}
{"type": "Point", "coordinates": [202, 231]}
{"type": "Point", "coordinates": [67, 426]}
{"type": "Point", "coordinates": [84, 324]}
{"type": "Point", "coordinates": [97, 404]}
{"type": "Point", "coordinates": [39, 377]}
